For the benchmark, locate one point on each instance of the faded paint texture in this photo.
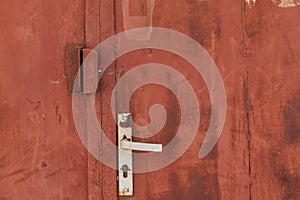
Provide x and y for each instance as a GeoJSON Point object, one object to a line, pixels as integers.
{"type": "Point", "coordinates": [40, 155]}
{"type": "Point", "coordinates": [256, 46]}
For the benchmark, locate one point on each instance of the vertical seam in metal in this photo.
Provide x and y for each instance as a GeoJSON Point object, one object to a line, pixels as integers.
{"type": "Point", "coordinates": [115, 78]}
{"type": "Point", "coordinates": [101, 108]}
{"type": "Point", "coordinates": [84, 45]}
{"type": "Point", "coordinates": [246, 98]}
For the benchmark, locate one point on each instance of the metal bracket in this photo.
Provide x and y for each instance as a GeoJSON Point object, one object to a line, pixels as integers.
{"type": "Point", "coordinates": [90, 71]}
{"type": "Point", "coordinates": [88, 74]}
{"type": "Point", "coordinates": [126, 146]}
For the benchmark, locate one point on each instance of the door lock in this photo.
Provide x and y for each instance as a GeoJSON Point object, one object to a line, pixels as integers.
{"type": "Point", "coordinates": [126, 146]}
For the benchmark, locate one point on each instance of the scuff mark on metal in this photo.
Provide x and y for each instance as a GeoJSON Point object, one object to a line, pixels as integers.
{"type": "Point", "coordinates": [53, 82]}
{"type": "Point", "coordinates": [13, 173]}
{"type": "Point", "coordinates": [286, 3]}
{"type": "Point", "coordinates": [36, 104]}
{"type": "Point", "coordinates": [27, 175]}
{"type": "Point", "coordinates": [53, 173]}
{"type": "Point", "coordinates": [250, 2]}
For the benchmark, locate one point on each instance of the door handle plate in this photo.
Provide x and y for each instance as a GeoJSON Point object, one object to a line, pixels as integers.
{"type": "Point", "coordinates": [125, 148]}
{"type": "Point", "coordinates": [125, 155]}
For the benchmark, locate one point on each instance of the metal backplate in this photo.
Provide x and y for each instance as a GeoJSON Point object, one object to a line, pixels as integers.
{"type": "Point", "coordinates": [125, 155]}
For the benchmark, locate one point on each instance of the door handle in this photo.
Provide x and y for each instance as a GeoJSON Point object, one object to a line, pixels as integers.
{"type": "Point", "coordinates": [139, 146]}
{"type": "Point", "coordinates": [125, 148]}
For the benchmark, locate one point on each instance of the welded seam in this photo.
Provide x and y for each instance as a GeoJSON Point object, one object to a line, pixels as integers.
{"type": "Point", "coordinates": [81, 59]}
{"type": "Point", "coordinates": [246, 97]}
{"type": "Point", "coordinates": [115, 79]}
{"type": "Point", "coordinates": [101, 106]}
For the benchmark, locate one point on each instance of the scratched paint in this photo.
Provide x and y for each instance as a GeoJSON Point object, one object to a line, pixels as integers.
{"type": "Point", "coordinates": [279, 3]}
{"type": "Point", "coordinates": [286, 3]}
{"type": "Point", "coordinates": [42, 157]}
{"type": "Point", "coordinates": [250, 2]}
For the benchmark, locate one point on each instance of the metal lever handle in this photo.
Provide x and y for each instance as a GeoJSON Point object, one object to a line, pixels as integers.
{"type": "Point", "coordinates": [125, 148]}
{"type": "Point", "coordinates": [139, 146]}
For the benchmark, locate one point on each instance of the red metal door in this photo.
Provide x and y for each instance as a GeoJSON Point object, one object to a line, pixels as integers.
{"type": "Point", "coordinates": [218, 27]}
{"type": "Point", "coordinates": [255, 45]}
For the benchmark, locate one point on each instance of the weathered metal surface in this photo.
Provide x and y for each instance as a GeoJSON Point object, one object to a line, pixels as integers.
{"type": "Point", "coordinates": [274, 104]}
{"type": "Point", "coordinates": [221, 34]}
{"type": "Point", "coordinates": [41, 155]}
{"type": "Point", "coordinates": [254, 59]}
{"type": "Point", "coordinates": [255, 44]}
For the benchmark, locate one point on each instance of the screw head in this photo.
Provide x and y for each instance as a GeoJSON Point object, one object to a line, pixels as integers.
{"type": "Point", "coordinates": [125, 190]}
{"type": "Point", "coordinates": [125, 117]}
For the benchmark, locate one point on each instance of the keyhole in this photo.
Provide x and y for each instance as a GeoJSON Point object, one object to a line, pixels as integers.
{"type": "Point", "coordinates": [125, 170]}
{"type": "Point", "coordinates": [125, 174]}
